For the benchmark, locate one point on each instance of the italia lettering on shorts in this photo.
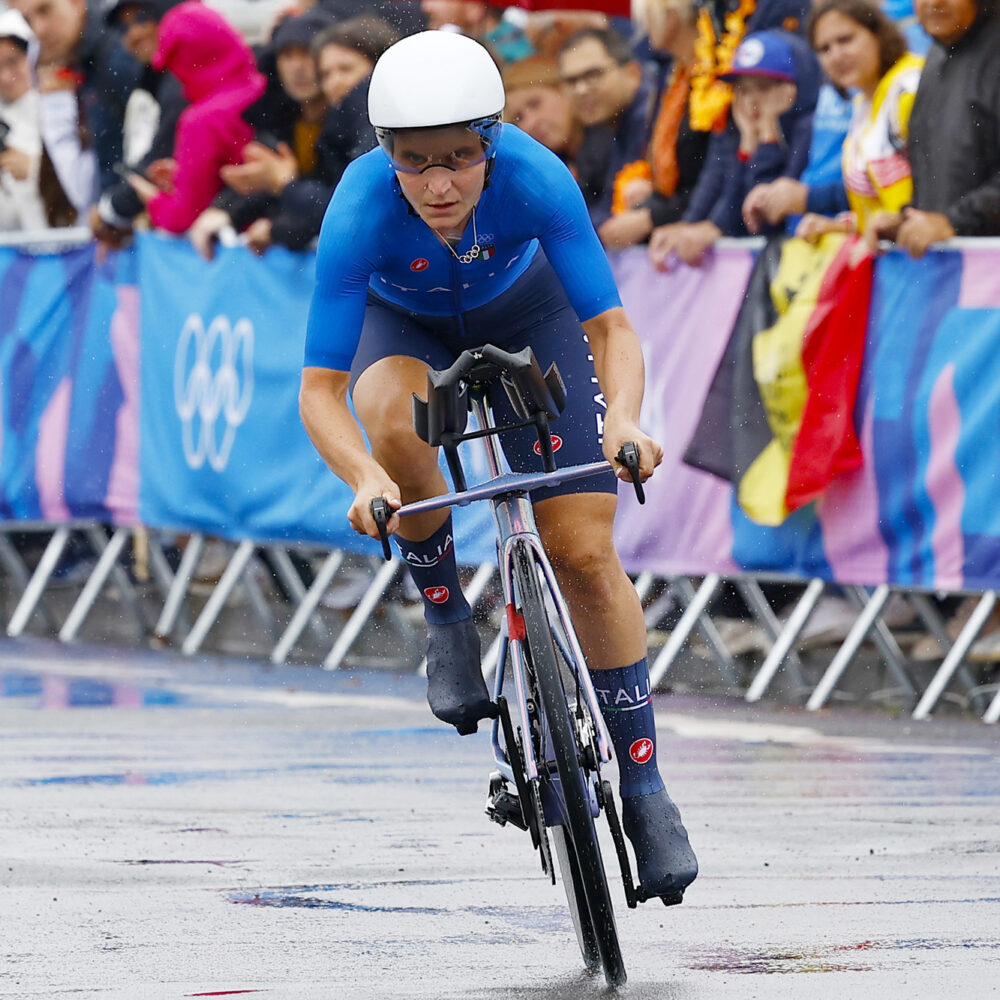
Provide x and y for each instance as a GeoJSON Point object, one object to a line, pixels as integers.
{"type": "Point", "coordinates": [426, 561]}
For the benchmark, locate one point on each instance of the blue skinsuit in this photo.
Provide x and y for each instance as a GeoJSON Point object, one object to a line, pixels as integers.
{"type": "Point", "coordinates": [386, 285]}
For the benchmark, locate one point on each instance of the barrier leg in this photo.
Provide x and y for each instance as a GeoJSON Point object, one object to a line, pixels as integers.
{"type": "Point", "coordinates": [955, 655]}
{"type": "Point", "coordinates": [664, 603]}
{"type": "Point", "coordinates": [993, 712]}
{"type": "Point", "coordinates": [665, 658]}
{"type": "Point", "coordinates": [362, 613]}
{"type": "Point", "coordinates": [292, 582]}
{"type": "Point", "coordinates": [884, 640]}
{"type": "Point", "coordinates": [849, 647]}
{"type": "Point", "coordinates": [39, 579]}
{"type": "Point", "coordinates": [164, 577]}
{"type": "Point", "coordinates": [307, 606]}
{"type": "Point", "coordinates": [786, 640]}
{"type": "Point", "coordinates": [761, 609]}
{"type": "Point", "coordinates": [259, 603]}
{"type": "Point", "coordinates": [178, 589]}
{"type": "Point", "coordinates": [126, 591]}
{"type": "Point", "coordinates": [217, 599]}
{"type": "Point", "coordinates": [930, 616]}
{"type": "Point", "coordinates": [709, 632]}
{"type": "Point", "coordinates": [95, 582]}
{"type": "Point", "coordinates": [18, 572]}
{"type": "Point", "coordinates": [472, 594]}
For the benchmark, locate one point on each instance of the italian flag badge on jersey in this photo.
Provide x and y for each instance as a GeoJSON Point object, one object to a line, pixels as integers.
{"type": "Point", "coordinates": [486, 252]}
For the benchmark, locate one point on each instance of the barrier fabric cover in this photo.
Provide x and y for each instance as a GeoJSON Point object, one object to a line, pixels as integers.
{"type": "Point", "coordinates": [157, 388]}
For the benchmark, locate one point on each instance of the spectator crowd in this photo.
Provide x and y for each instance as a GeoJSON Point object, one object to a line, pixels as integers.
{"type": "Point", "coordinates": [695, 120]}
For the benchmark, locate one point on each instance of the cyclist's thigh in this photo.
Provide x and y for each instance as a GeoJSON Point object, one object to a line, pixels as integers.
{"type": "Point", "coordinates": [390, 332]}
{"type": "Point", "coordinates": [557, 335]}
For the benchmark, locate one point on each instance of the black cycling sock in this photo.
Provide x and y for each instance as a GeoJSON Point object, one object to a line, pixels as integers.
{"type": "Point", "coordinates": [626, 704]}
{"type": "Point", "coordinates": [435, 572]}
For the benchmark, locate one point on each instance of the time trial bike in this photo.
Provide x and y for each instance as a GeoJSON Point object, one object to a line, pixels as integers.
{"type": "Point", "coordinates": [548, 736]}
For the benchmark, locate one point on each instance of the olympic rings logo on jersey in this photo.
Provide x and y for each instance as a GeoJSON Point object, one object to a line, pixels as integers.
{"type": "Point", "coordinates": [213, 377]}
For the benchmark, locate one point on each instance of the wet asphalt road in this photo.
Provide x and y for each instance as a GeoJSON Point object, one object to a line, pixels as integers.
{"type": "Point", "coordinates": [182, 828]}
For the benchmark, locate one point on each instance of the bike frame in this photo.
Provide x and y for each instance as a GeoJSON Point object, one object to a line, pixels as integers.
{"type": "Point", "coordinates": [508, 494]}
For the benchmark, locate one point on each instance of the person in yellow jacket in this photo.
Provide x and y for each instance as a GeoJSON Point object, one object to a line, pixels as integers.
{"type": "Point", "coordinates": [863, 51]}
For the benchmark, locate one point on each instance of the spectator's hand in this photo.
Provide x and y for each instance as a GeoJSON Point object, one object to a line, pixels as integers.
{"type": "Point", "coordinates": [145, 189]}
{"type": "Point", "coordinates": [626, 229]}
{"type": "Point", "coordinates": [775, 101]}
{"type": "Point", "coordinates": [881, 225]}
{"type": "Point", "coordinates": [262, 170]}
{"type": "Point", "coordinates": [693, 239]}
{"type": "Point", "coordinates": [747, 118]}
{"type": "Point", "coordinates": [162, 173]}
{"type": "Point", "coordinates": [108, 237]}
{"type": "Point", "coordinates": [205, 231]}
{"type": "Point", "coordinates": [16, 163]}
{"type": "Point", "coordinates": [258, 236]}
{"type": "Point", "coordinates": [782, 198]}
{"type": "Point", "coordinates": [662, 246]}
{"type": "Point", "coordinates": [755, 208]}
{"type": "Point", "coordinates": [637, 191]}
{"type": "Point", "coordinates": [919, 230]}
{"type": "Point", "coordinates": [813, 227]}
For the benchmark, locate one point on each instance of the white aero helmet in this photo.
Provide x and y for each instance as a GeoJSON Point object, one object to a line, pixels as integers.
{"type": "Point", "coordinates": [435, 78]}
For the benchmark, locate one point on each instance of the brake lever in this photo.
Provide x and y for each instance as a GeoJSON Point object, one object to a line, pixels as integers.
{"type": "Point", "coordinates": [629, 457]}
{"type": "Point", "coordinates": [382, 513]}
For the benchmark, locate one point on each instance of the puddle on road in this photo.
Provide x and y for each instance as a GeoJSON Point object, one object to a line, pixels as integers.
{"type": "Point", "coordinates": [52, 691]}
{"type": "Point", "coordinates": [281, 898]}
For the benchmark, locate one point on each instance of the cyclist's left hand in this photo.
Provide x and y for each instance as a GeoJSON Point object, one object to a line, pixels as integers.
{"type": "Point", "coordinates": [616, 433]}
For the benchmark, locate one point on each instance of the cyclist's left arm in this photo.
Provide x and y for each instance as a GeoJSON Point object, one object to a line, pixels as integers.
{"type": "Point", "coordinates": [575, 252]}
{"type": "Point", "coordinates": [621, 375]}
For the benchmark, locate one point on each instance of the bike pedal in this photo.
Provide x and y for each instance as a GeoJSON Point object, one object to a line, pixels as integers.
{"type": "Point", "coordinates": [502, 806]}
{"type": "Point", "coordinates": [668, 899]}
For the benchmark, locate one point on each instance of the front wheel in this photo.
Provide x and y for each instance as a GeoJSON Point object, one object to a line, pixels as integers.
{"type": "Point", "coordinates": [580, 856]}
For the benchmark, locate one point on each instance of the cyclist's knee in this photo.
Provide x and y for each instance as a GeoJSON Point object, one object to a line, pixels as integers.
{"type": "Point", "coordinates": [590, 567]}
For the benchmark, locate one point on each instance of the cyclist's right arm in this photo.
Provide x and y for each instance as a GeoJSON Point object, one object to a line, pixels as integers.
{"type": "Point", "coordinates": [337, 437]}
{"type": "Point", "coordinates": [345, 261]}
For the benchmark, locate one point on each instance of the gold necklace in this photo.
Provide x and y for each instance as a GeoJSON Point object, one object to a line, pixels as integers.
{"type": "Point", "coordinates": [472, 253]}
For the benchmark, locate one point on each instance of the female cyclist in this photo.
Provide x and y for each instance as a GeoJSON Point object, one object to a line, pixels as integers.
{"type": "Point", "coordinates": [458, 231]}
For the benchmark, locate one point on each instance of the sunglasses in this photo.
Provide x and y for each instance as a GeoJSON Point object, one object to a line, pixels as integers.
{"type": "Point", "coordinates": [456, 160]}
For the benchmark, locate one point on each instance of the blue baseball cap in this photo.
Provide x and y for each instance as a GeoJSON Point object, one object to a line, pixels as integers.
{"type": "Point", "coordinates": [763, 53]}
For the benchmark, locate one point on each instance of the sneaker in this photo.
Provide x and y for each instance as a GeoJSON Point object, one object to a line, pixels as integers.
{"type": "Point", "coordinates": [667, 865]}
{"type": "Point", "coordinates": [456, 690]}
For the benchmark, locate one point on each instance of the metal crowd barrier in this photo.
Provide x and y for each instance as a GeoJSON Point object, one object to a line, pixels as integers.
{"type": "Point", "coordinates": [170, 593]}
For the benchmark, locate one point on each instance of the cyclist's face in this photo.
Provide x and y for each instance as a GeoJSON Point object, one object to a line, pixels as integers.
{"type": "Point", "coordinates": [442, 197]}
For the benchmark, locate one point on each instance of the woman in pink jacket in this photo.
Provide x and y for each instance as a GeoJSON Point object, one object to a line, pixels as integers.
{"type": "Point", "coordinates": [220, 79]}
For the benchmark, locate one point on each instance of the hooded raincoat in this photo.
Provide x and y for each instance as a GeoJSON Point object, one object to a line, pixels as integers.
{"type": "Point", "coordinates": [220, 79]}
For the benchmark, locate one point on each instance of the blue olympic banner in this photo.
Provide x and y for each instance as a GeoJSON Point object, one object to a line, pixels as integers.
{"type": "Point", "coordinates": [223, 450]}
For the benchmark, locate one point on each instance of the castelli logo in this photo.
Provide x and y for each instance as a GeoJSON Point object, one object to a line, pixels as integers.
{"type": "Point", "coordinates": [556, 444]}
{"type": "Point", "coordinates": [437, 595]}
{"type": "Point", "coordinates": [420, 264]}
{"type": "Point", "coordinates": [641, 751]}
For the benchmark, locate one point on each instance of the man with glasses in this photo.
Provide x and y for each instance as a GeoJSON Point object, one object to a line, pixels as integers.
{"type": "Point", "coordinates": [612, 98]}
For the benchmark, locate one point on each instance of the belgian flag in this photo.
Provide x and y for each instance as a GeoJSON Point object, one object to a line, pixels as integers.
{"type": "Point", "coordinates": [778, 421]}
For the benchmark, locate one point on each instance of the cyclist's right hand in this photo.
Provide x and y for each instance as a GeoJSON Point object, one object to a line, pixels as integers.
{"type": "Point", "coordinates": [360, 513]}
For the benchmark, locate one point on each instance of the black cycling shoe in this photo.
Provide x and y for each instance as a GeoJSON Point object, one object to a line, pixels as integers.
{"type": "Point", "coordinates": [667, 865]}
{"type": "Point", "coordinates": [456, 690]}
